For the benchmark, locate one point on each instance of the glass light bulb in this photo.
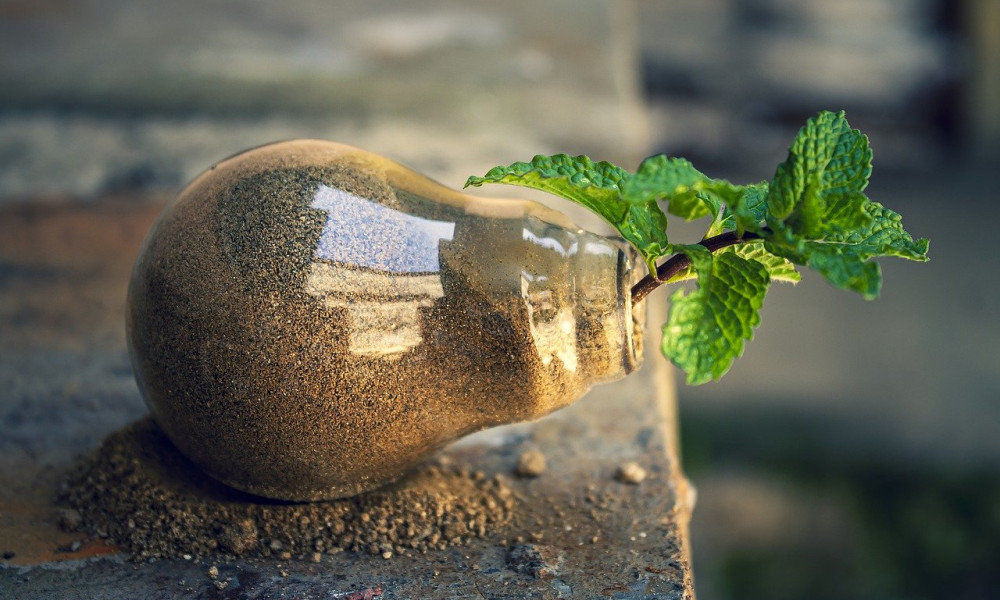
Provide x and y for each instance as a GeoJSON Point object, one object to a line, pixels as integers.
{"type": "Point", "coordinates": [309, 321]}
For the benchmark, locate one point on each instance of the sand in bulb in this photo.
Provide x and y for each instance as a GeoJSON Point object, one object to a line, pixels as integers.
{"type": "Point", "coordinates": [310, 321]}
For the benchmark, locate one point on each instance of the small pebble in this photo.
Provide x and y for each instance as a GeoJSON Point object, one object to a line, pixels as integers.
{"type": "Point", "coordinates": [221, 585]}
{"type": "Point", "coordinates": [317, 556]}
{"type": "Point", "coordinates": [213, 572]}
{"type": "Point", "coordinates": [387, 555]}
{"type": "Point", "coordinates": [70, 520]}
{"type": "Point", "coordinates": [531, 463]}
{"type": "Point", "coordinates": [630, 472]}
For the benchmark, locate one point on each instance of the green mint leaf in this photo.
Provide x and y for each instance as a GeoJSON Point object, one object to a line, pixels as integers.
{"type": "Point", "coordinates": [596, 186]}
{"type": "Point", "coordinates": [778, 268]}
{"type": "Point", "coordinates": [750, 207]}
{"type": "Point", "coordinates": [840, 264]}
{"type": "Point", "coordinates": [706, 329]}
{"type": "Point", "coordinates": [745, 212]}
{"type": "Point", "coordinates": [660, 177]}
{"type": "Point", "coordinates": [645, 227]}
{"type": "Point", "coordinates": [818, 190]}
{"type": "Point", "coordinates": [674, 180]}
{"type": "Point", "coordinates": [688, 192]}
{"type": "Point", "coordinates": [883, 235]}
{"type": "Point", "coordinates": [700, 261]}
{"type": "Point", "coordinates": [845, 259]}
{"type": "Point", "coordinates": [819, 215]}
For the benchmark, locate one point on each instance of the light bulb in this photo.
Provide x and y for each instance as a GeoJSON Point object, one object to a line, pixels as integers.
{"type": "Point", "coordinates": [309, 321]}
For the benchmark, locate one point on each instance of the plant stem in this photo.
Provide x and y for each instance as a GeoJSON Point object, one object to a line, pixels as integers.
{"type": "Point", "coordinates": [678, 262]}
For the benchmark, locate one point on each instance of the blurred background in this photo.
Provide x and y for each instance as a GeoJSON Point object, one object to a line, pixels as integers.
{"type": "Point", "coordinates": [854, 452]}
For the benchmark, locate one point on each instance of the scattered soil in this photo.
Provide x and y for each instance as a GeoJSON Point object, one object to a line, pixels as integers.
{"type": "Point", "coordinates": [137, 491]}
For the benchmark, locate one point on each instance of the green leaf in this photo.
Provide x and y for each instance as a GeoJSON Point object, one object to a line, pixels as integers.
{"type": "Point", "coordinates": [745, 212]}
{"type": "Point", "coordinates": [819, 215]}
{"type": "Point", "coordinates": [706, 329]}
{"type": "Point", "coordinates": [674, 180]}
{"type": "Point", "coordinates": [883, 235]}
{"type": "Point", "coordinates": [840, 264]}
{"type": "Point", "coordinates": [688, 192]}
{"type": "Point", "coordinates": [845, 259]}
{"type": "Point", "coordinates": [750, 208]}
{"type": "Point", "coordinates": [778, 268]}
{"type": "Point", "coordinates": [818, 190]}
{"type": "Point", "coordinates": [596, 186]}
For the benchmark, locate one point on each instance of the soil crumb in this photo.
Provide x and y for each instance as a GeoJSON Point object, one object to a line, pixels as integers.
{"type": "Point", "coordinates": [531, 463]}
{"type": "Point", "coordinates": [140, 493]}
{"type": "Point", "coordinates": [631, 473]}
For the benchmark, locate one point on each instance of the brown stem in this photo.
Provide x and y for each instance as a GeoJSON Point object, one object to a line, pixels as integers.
{"type": "Point", "coordinates": [678, 262]}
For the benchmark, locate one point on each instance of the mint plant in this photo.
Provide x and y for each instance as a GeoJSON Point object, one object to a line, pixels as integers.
{"type": "Point", "coordinates": [812, 213]}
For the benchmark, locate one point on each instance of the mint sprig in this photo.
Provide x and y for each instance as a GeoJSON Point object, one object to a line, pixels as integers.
{"type": "Point", "coordinates": [812, 213]}
{"type": "Point", "coordinates": [818, 215]}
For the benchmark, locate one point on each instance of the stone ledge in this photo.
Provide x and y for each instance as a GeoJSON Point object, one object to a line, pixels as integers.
{"type": "Point", "coordinates": [71, 386]}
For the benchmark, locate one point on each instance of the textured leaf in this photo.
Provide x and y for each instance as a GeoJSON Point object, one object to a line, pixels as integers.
{"type": "Point", "coordinates": [846, 259]}
{"type": "Point", "coordinates": [778, 268]}
{"type": "Point", "coordinates": [840, 264]}
{"type": "Point", "coordinates": [883, 235]}
{"type": "Point", "coordinates": [746, 212]}
{"type": "Point", "coordinates": [706, 329]}
{"type": "Point", "coordinates": [688, 192]}
{"type": "Point", "coordinates": [596, 186]}
{"type": "Point", "coordinates": [660, 177]}
{"type": "Point", "coordinates": [819, 215]}
{"type": "Point", "coordinates": [750, 208]}
{"type": "Point", "coordinates": [818, 190]}
{"type": "Point", "coordinates": [576, 178]}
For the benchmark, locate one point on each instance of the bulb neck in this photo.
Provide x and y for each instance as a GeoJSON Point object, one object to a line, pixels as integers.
{"type": "Point", "coordinates": [609, 329]}
{"type": "Point", "coordinates": [583, 326]}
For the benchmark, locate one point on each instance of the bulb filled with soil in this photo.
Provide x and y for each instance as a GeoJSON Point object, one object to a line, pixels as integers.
{"type": "Point", "coordinates": [310, 321]}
